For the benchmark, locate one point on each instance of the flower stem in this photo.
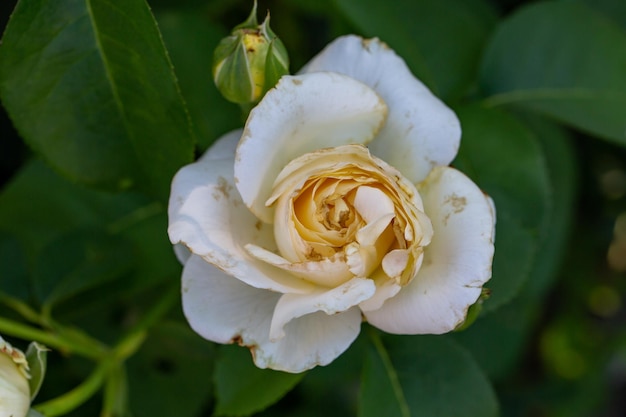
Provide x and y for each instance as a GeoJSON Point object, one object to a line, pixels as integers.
{"type": "Point", "coordinates": [20, 307]}
{"type": "Point", "coordinates": [53, 340]}
{"type": "Point", "coordinates": [392, 375]}
{"type": "Point", "coordinates": [74, 398]}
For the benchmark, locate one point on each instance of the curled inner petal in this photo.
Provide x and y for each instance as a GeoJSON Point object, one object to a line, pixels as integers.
{"type": "Point", "coordinates": [341, 213]}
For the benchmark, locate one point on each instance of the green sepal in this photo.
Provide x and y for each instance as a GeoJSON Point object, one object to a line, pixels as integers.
{"type": "Point", "coordinates": [36, 356]}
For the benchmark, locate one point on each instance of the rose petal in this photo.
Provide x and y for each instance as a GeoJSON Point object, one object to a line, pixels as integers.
{"type": "Point", "coordinates": [420, 132]}
{"type": "Point", "coordinates": [325, 272]}
{"type": "Point", "coordinates": [301, 114]}
{"type": "Point", "coordinates": [207, 215]}
{"type": "Point", "coordinates": [372, 204]}
{"type": "Point", "coordinates": [456, 263]}
{"type": "Point", "coordinates": [224, 147]}
{"type": "Point", "coordinates": [182, 253]}
{"type": "Point", "coordinates": [311, 340]}
{"type": "Point", "coordinates": [373, 240]}
{"type": "Point", "coordinates": [225, 310]}
{"type": "Point", "coordinates": [395, 262]}
{"type": "Point", "coordinates": [221, 308]}
{"type": "Point", "coordinates": [385, 288]}
{"type": "Point", "coordinates": [337, 300]}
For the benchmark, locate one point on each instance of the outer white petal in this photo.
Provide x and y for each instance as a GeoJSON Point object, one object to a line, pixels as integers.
{"type": "Point", "coordinates": [420, 132]}
{"type": "Point", "coordinates": [221, 308]}
{"type": "Point", "coordinates": [225, 310]}
{"type": "Point", "coordinates": [207, 215]}
{"type": "Point", "coordinates": [456, 263]}
{"type": "Point", "coordinates": [311, 340]}
{"type": "Point", "coordinates": [300, 115]}
{"type": "Point", "coordinates": [336, 300]}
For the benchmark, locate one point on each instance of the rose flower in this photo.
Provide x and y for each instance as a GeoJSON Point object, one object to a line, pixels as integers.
{"type": "Point", "coordinates": [14, 388]}
{"type": "Point", "coordinates": [334, 205]}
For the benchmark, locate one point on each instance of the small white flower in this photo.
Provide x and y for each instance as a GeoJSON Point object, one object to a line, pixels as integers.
{"type": "Point", "coordinates": [14, 388]}
{"type": "Point", "coordinates": [335, 203]}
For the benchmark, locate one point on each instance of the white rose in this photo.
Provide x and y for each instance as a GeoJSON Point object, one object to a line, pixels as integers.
{"type": "Point", "coordinates": [14, 388]}
{"type": "Point", "coordinates": [296, 230]}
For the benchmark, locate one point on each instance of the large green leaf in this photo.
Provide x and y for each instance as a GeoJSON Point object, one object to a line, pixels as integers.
{"type": "Point", "coordinates": [14, 279]}
{"type": "Point", "coordinates": [191, 38]}
{"type": "Point", "coordinates": [79, 261]}
{"type": "Point", "coordinates": [243, 389]}
{"type": "Point", "coordinates": [613, 9]}
{"type": "Point", "coordinates": [506, 160]}
{"type": "Point", "coordinates": [89, 85]}
{"type": "Point", "coordinates": [38, 206]}
{"type": "Point", "coordinates": [497, 340]}
{"type": "Point", "coordinates": [423, 376]}
{"type": "Point", "coordinates": [564, 60]}
{"type": "Point", "coordinates": [63, 208]}
{"type": "Point", "coordinates": [441, 40]}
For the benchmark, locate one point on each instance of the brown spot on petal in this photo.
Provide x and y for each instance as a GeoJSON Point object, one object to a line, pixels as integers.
{"type": "Point", "coordinates": [296, 81]}
{"type": "Point", "coordinates": [458, 205]}
{"type": "Point", "coordinates": [239, 341]}
{"type": "Point", "coordinates": [258, 225]}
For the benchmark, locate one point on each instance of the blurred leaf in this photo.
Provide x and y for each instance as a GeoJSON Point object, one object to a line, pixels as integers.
{"type": "Point", "coordinates": [243, 389]}
{"type": "Point", "coordinates": [171, 373]}
{"type": "Point", "coordinates": [191, 38]}
{"type": "Point", "coordinates": [497, 340]}
{"type": "Point", "coordinates": [423, 376]}
{"type": "Point", "coordinates": [556, 229]}
{"type": "Point", "coordinates": [314, 396]}
{"type": "Point", "coordinates": [507, 162]}
{"type": "Point", "coordinates": [612, 9]}
{"type": "Point", "coordinates": [88, 84]}
{"type": "Point", "coordinates": [154, 257]}
{"type": "Point", "coordinates": [80, 261]}
{"type": "Point", "coordinates": [14, 280]}
{"type": "Point", "coordinates": [37, 357]}
{"type": "Point", "coordinates": [564, 60]}
{"type": "Point", "coordinates": [441, 40]}
{"type": "Point", "coordinates": [69, 207]}
{"type": "Point", "coordinates": [37, 206]}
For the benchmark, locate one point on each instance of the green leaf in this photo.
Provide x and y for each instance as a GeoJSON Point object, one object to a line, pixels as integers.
{"type": "Point", "coordinates": [171, 373]}
{"type": "Point", "coordinates": [497, 340]}
{"type": "Point", "coordinates": [14, 279]}
{"type": "Point", "coordinates": [557, 145]}
{"type": "Point", "coordinates": [506, 161]}
{"type": "Point", "coordinates": [612, 9]}
{"type": "Point", "coordinates": [80, 261]}
{"type": "Point", "coordinates": [542, 59]}
{"type": "Point", "coordinates": [423, 376]}
{"type": "Point", "coordinates": [243, 389]}
{"type": "Point", "coordinates": [191, 38]}
{"type": "Point", "coordinates": [89, 85]}
{"type": "Point", "coordinates": [441, 40]}
{"type": "Point", "coordinates": [381, 391]}
{"type": "Point", "coordinates": [37, 358]}
{"type": "Point", "coordinates": [69, 208]}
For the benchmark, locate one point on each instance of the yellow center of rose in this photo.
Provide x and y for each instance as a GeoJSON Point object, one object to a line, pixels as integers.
{"type": "Point", "coordinates": [341, 213]}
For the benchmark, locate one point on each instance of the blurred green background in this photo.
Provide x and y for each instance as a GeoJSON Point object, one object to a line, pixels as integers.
{"type": "Point", "coordinates": [555, 347]}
